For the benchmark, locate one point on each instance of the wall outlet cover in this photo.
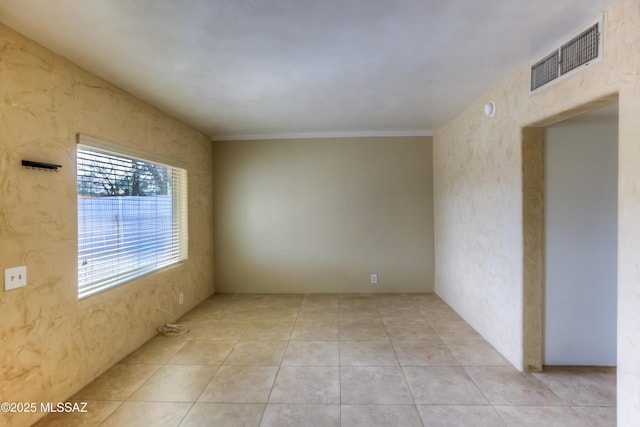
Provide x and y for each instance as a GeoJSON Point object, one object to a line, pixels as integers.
{"type": "Point", "coordinates": [15, 278]}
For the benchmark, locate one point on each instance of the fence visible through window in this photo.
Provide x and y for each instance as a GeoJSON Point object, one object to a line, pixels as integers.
{"type": "Point", "coordinates": [131, 218]}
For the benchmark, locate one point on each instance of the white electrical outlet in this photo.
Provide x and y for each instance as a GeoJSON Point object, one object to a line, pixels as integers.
{"type": "Point", "coordinates": [181, 298]}
{"type": "Point", "coordinates": [374, 279]}
{"type": "Point", "coordinates": [15, 277]}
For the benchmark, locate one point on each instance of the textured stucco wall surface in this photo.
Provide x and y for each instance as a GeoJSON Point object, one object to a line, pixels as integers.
{"type": "Point", "coordinates": [52, 344]}
{"type": "Point", "coordinates": [478, 198]}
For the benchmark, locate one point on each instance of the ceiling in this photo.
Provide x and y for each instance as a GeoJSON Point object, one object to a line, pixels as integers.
{"type": "Point", "coordinates": [240, 69]}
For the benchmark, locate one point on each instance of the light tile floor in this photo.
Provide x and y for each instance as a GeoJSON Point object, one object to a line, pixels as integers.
{"type": "Point", "coordinates": [335, 360]}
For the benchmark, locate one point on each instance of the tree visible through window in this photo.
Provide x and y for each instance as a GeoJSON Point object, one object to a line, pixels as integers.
{"type": "Point", "coordinates": [132, 218]}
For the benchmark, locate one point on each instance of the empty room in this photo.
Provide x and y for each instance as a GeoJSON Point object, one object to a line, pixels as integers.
{"type": "Point", "coordinates": [305, 213]}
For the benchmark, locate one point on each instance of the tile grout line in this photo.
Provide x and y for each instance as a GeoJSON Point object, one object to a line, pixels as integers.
{"type": "Point", "coordinates": [112, 412]}
{"type": "Point", "coordinates": [565, 403]}
{"type": "Point", "coordinates": [464, 368]}
{"type": "Point", "coordinates": [415, 405]}
{"type": "Point", "coordinates": [275, 379]}
{"type": "Point", "coordinates": [185, 414]}
{"type": "Point", "coordinates": [493, 407]}
{"type": "Point", "coordinates": [216, 372]}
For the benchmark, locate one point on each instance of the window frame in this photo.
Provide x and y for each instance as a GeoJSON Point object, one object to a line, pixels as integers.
{"type": "Point", "coordinates": [180, 232]}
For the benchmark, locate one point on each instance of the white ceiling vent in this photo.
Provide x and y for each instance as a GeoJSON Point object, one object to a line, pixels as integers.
{"type": "Point", "coordinates": [545, 70]}
{"type": "Point", "coordinates": [578, 53]}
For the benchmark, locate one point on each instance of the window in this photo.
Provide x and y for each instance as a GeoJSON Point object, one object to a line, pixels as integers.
{"type": "Point", "coordinates": [132, 216]}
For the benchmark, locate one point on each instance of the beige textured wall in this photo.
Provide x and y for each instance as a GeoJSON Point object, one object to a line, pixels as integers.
{"type": "Point", "coordinates": [320, 215]}
{"type": "Point", "coordinates": [533, 246]}
{"type": "Point", "coordinates": [478, 199]}
{"type": "Point", "coordinates": [51, 344]}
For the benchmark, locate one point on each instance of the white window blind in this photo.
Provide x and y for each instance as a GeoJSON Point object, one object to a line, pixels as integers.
{"type": "Point", "coordinates": [132, 217]}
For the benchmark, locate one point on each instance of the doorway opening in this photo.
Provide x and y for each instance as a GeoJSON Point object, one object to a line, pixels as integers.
{"type": "Point", "coordinates": [570, 200]}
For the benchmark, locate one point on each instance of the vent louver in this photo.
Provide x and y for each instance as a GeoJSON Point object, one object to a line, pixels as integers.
{"type": "Point", "coordinates": [545, 70]}
{"type": "Point", "coordinates": [577, 53]}
{"type": "Point", "coordinates": [580, 50]}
